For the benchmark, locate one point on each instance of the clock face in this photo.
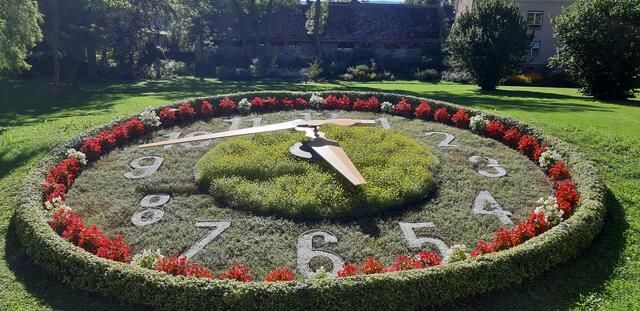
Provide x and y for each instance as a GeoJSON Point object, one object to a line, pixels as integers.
{"type": "Point", "coordinates": [157, 199]}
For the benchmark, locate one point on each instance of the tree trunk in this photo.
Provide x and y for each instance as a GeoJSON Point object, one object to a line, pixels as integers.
{"type": "Point", "coordinates": [316, 28]}
{"type": "Point", "coordinates": [267, 33]}
{"type": "Point", "coordinates": [199, 62]}
{"type": "Point", "coordinates": [92, 65]}
{"type": "Point", "coordinates": [53, 40]}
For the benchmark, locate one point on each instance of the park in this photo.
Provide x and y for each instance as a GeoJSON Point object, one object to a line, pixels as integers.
{"type": "Point", "coordinates": [272, 168]}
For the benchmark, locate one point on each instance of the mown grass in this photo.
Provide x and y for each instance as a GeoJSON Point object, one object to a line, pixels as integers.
{"type": "Point", "coordinates": [605, 276]}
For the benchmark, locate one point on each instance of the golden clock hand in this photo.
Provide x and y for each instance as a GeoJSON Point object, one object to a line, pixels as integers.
{"type": "Point", "coordinates": [333, 153]}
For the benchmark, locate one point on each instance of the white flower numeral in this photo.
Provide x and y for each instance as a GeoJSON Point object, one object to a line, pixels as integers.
{"type": "Point", "coordinates": [217, 227]}
{"type": "Point", "coordinates": [491, 163]}
{"type": "Point", "coordinates": [171, 135]}
{"type": "Point", "coordinates": [484, 197]}
{"type": "Point", "coordinates": [306, 252]}
{"type": "Point", "coordinates": [446, 142]}
{"type": "Point", "coordinates": [151, 209]}
{"type": "Point", "coordinates": [142, 171]}
{"type": "Point", "coordinates": [408, 230]}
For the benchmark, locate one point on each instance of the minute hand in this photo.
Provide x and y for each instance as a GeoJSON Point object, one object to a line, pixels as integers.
{"type": "Point", "coordinates": [333, 153]}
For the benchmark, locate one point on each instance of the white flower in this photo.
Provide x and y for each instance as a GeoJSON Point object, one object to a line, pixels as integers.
{"type": "Point", "coordinates": [549, 158]}
{"type": "Point", "coordinates": [316, 102]}
{"type": "Point", "coordinates": [147, 259]}
{"type": "Point", "coordinates": [552, 212]}
{"type": "Point", "coordinates": [82, 158]}
{"type": "Point", "coordinates": [478, 123]}
{"type": "Point", "coordinates": [56, 204]}
{"type": "Point", "coordinates": [150, 118]}
{"type": "Point", "coordinates": [457, 252]}
{"type": "Point", "coordinates": [244, 105]}
{"type": "Point", "coordinates": [386, 107]}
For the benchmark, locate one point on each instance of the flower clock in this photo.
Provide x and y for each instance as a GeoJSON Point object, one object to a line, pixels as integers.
{"type": "Point", "coordinates": [284, 200]}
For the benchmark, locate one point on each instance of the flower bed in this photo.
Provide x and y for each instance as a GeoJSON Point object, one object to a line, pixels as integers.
{"type": "Point", "coordinates": [561, 225]}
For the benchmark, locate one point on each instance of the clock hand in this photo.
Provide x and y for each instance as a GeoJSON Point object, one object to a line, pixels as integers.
{"type": "Point", "coordinates": [333, 153]}
{"type": "Point", "coordinates": [262, 129]}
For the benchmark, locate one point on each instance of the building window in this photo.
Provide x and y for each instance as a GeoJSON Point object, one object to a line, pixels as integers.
{"type": "Point", "coordinates": [345, 46]}
{"type": "Point", "coordinates": [535, 48]}
{"type": "Point", "coordinates": [534, 18]}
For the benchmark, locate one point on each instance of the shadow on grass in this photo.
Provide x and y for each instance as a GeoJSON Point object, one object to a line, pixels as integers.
{"type": "Point", "coordinates": [561, 288]}
{"type": "Point", "coordinates": [565, 285]}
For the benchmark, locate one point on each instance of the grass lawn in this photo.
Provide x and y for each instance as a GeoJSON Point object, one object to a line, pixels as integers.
{"type": "Point", "coordinates": [605, 276]}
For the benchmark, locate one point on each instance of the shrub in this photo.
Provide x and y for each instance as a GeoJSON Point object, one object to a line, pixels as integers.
{"type": "Point", "coordinates": [512, 137]}
{"type": "Point", "coordinates": [315, 69]}
{"type": "Point", "coordinates": [287, 103]}
{"type": "Point", "coordinates": [206, 109]}
{"type": "Point", "coordinates": [257, 104]}
{"type": "Point", "coordinates": [558, 172]}
{"type": "Point", "coordinates": [457, 76]}
{"type": "Point", "coordinates": [528, 145]}
{"type": "Point", "coordinates": [271, 103]}
{"type": "Point", "coordinates": [135, 128]}
{"type": "Point", "coordinates": [423, 111]}
{"type": "Point", "coordinates": [403, 108]}
{"type": "Point", "coordinates": [167, 117]}
{"type": "Point", "coordinates": [330, 102]}
{"type": "Point", "coordinates": [301, 103]}
{"type": "Point", "coordinates": [186, 112]}
{"type": "Point", "coordinates": [488, 41]}
{"type": "Point", "coordinates": [147, 259]}
{"type": "Point", "coordinates": [427, 75]}
{"type": "Point", "coordinates": [225, 73]}
{"type": "Point", "coordinates": [597, 43]}
{"type": "Point", "coordinates": [227, 106]}
{"type": "Point", "coordinates": [344, 103]}
{"type": "Point", "coordinates": [92, 148]}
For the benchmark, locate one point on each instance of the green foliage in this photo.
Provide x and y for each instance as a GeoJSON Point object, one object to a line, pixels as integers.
{"type": "Point", "coordinates": [599, 45]}
{"type": "Point", "coordinates": [402, 290]}
{"type": "Point", "coordinates": [311, 16]}
{"type": "Point", "coordinates": [428, 75]}
{"type": "Point", "coordinates": [19, 32]}
{"type": "Point", "coordinates": [315, 69]}
{"type": "Point", "coordinates": [259, 174]}
{"type": "Point", "coordinates": [489, 41]}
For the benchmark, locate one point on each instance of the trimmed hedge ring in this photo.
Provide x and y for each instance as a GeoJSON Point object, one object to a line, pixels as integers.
{"type": "Point", "coordinates": [399, 290]}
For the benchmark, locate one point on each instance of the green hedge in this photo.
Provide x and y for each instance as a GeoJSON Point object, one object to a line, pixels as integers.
{"type": "Point", "coordinates": [399, 290]}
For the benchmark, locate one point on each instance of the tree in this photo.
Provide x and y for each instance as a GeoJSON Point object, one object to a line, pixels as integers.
{"type": "Point", "coordinates": [317, 16]}
{"type": "Point", "coordinates": [489, 41]}
{"type": "Point", "coordinates": [19, 32]}
{"type": "Point", "coordinates": [599, 45]}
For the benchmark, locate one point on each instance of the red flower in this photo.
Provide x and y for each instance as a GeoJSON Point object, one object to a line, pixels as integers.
{"type": "Point", "coordinates": [287, 103]}
{"type": "Point", "coordinates": [62, 219]}
{"type": "Point", "coordinates": [53, 190]}
{"type": "Point", "coordinates": [558, 172]}
{"type": "Point", "coordinates": [59, 175]}
{"type": "Point", "coordinates": [279, 274]}
{"type": "Point", "coordinates": [528, 145]}
{"type": "Point", "coordinates": [227, 106]}
{"type": "Point", "coordinates": [238, 272]}
{"type": "Point", "coordinates": [91, 239]}
{"type": "Point", "coordinates": [372, 104]}
{"type": "Point", "coordinates": [167, 117]}
{"type": "Point", "coordinates": [300, 103]}
{"type": "Point", "coordinates": [482, 248]}
{"type": "Point", "coordinates": [181, 266]}
{"type": "Point", "coordinates": [331, 102]}
{"type": "Point", "coordinates": [540, 223]}
{"type": "Point", "coordinates": [567, 197]}
{"type": "Point", "coordinates": [344, 103]}
{"type": "Point", "coordinates": [523, 232]}
{"type": "Point", "coordinates": [423, 111]}
{"type": "Point", "coordinates": [512, 137]}
{"type": "Point", "coordinates": [272, 103]}
{"type": "Point", "coordinates": [108, 141]}
{"type": "Point", "coordinates": [442, 115]}
{"type": "Point", "coordinates": [72, 232]}
{"type": "Point", "coordinates": [405, 263]}
{"type": "Point", "coordinates": [494, 129]}
{"type": "Point", "coordinates": [92, 148]}
{"type": "Point", "coordinates": [120, 134]}
{"type": "Point", "coordinates": [135, 127]}
{"type": "Point", "coordinates": [116, 250]}
{"type": "Point", "coordinates": [371, 266]}
{"type": "Point", "coordinates": [348, 269]}
{"type": "Point", "coordinates": [502, 240]}
{"type": "Point", "coordinates": [403, 108]}
{"type": "Point", "coordinates": [206, 109]}
{"type": "Point", "coordinates": [360, 105]}
{"type": "Point", "coordinates": [257, 104]}
{"type": "Point", "coordinates": [186, 111]}
{"type": "Point", "coordinates": [461, 119]}
{"type": "Point", "coordinates": [429, 259]}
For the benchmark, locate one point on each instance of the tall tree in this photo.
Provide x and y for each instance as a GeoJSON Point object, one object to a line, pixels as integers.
{"type": "Point", "coordinates": [599, 45]}
{"type": "Point", "coordinates": [489, 41]}
{"type": "Point", "coordinates": [317, 16]}
{"type": "Point", "coordinates": [19, 32]}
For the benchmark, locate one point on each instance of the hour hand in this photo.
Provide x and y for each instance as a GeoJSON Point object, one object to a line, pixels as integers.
{"type": "Point", "coordinates": [333, 153]}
